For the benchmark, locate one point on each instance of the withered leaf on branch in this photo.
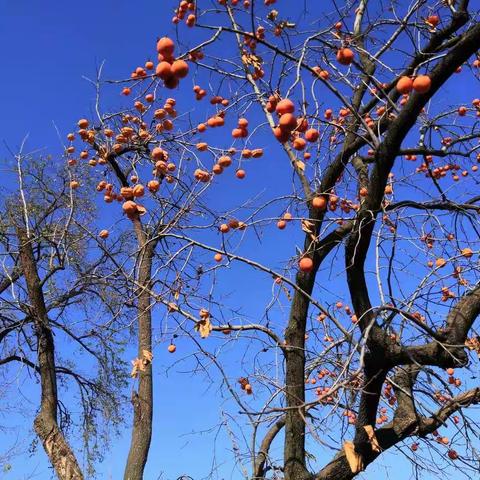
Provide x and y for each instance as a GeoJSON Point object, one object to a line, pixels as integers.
{"type": "Point", "coordinates": [300, 165]}
{"type": "Point", "coordinates": [308, 226]}
{"type": "Point", "coordinates": [251, 59]}
{"type": "Point", "coordinates": [137, 366]}
{"type": "Point", "coordinates": [204, 327]}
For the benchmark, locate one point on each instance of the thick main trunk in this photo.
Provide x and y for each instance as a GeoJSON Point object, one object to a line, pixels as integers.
{"type": "Point", "coordinates": [54, 443]}
{"type": "Point", "coordinates": [294, 446]}
{"type": "Point", "coordinates": [142, 399]}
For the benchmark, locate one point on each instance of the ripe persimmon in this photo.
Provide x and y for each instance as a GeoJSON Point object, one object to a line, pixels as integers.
{"type": "Point", "coordinates": [166, 46]}
{"type": "Point", "coordinates": [201, 175]}
{"type": "Point", "coordinates": [440, 262]}
{"type": "Point", "coordinates": [153, 186]}
{"type": "Point", "coordinates": [238, 133]}
{"type": "Point", "coordinates": [404, 85]}
{"type": "Point", "coordinates": [312, 135]}
{"type": "Point", "coordinates": [433, 20]}
{"type": "Point", "coordinates": [233, 223]}
{"type": "Point", "coordinates": [224, 161]}
{"type": "Point", "coordinates": [306, 264]}
{"type": "Point", "coordinates": [285, 106]}
{"type": "Point", "coordinates": [126, 192]}
{"type": "Point", "coordinates": [163, 70]}
{"type": "Point", "coordinates": [242, 123]}
{"type": "Point", "coordinates": [345, 56]}
{"type": "Point", "coordinates": [217, 169]}
{"type": "Point", "coordinates": [180, 68]}
{"type": "Point", "coordinates": [319, 203]}
{"type": "Point", "coordinates": [138, 190]}
{"type": "Point", "coordinates": [452, 455]}
{"type": "Point", "coordinates": [302, 125]}
{"type": "Point", "coordinates": [422, 84]}
{"type": "Point", "coordinates": [299, 143]}
{"type": "Point", "coordinates": [129, 207]}
{"type": "Point", "coordinates": [288, 121]}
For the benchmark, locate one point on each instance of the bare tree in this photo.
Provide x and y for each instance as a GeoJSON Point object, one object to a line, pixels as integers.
{"type": "Point", "coordinates": [44, 283]}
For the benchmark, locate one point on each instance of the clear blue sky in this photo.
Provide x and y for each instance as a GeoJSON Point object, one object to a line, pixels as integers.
{"type": "Point", "coordinates": [46, 47]}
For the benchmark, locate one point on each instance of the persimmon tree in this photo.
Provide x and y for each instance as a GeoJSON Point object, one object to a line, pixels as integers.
{"type": "Point", "coordinates": [361, 219]}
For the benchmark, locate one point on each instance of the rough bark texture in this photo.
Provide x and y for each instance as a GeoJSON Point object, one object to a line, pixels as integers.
{"type": "Point", "coordinates": [56, 447]}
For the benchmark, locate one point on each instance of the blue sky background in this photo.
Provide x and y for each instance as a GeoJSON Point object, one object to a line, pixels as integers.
{"type": "Point", "coordinates": [46, 48]}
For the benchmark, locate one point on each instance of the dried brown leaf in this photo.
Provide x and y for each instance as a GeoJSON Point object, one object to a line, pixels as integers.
{"type": "Point", "coordinates": [137, 366]}
{"type": "Point", "coordinates": [300, 165]}
{"type": "Point", "coordinates": [204, 327]}
{"type": "Point", "coordinates": [307, 226]}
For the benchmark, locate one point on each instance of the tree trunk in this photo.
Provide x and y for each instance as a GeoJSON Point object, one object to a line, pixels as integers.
{"type": "Point", "coordinates": [294, 446]}
{"type": "Point", "coordinates": [142, 399]}
{"type": "Point", "coordinates": [56, 447]}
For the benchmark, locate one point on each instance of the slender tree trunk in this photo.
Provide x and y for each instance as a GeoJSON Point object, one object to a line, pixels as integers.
{"type": "Point", "coordinates": [56, 447]}
{"type": "Point", "coordinates": [142, 399]}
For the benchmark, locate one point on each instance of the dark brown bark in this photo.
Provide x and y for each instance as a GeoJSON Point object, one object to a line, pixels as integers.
{"type": "Point", "coordinates": [56, 447]}
{"type": "Point", "coordinates": [380, 358]}
{"type": "Point", "coordinates": [294, 447]}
